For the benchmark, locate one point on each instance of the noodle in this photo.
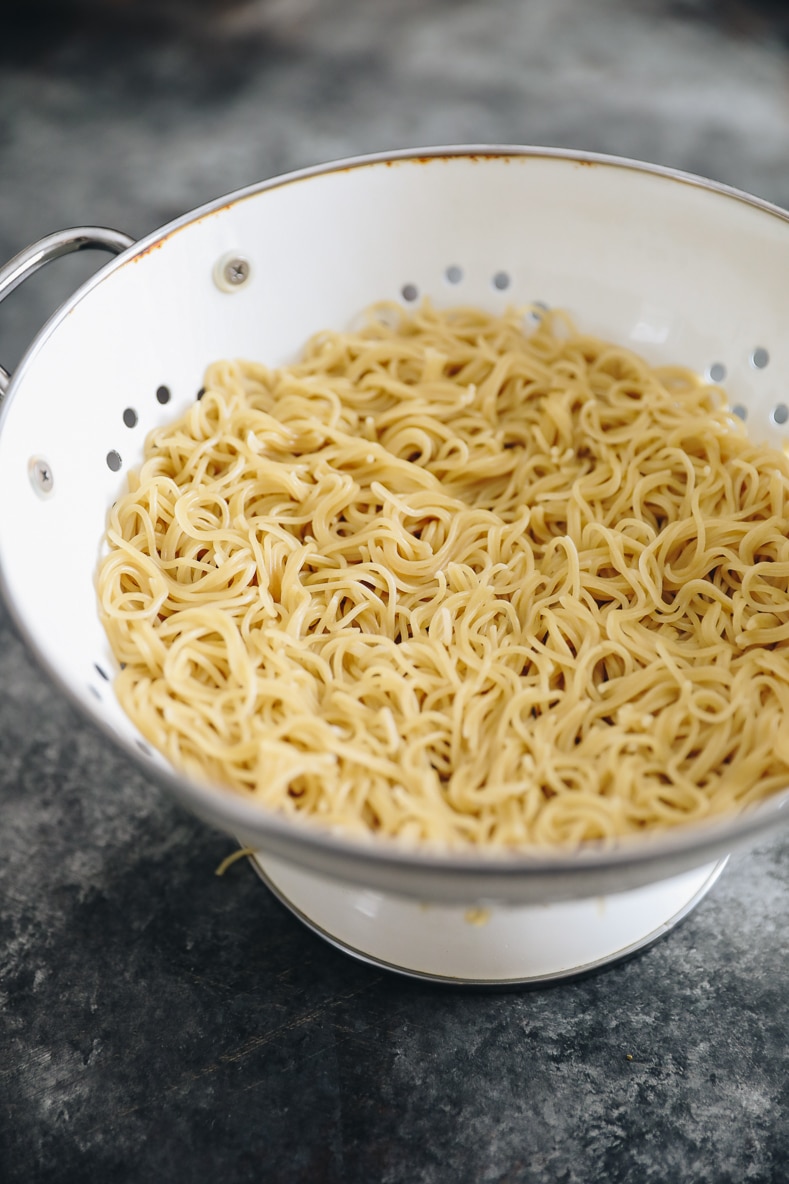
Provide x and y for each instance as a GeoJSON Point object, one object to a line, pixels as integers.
{"type": "Point", "coordinates": [451, 581]}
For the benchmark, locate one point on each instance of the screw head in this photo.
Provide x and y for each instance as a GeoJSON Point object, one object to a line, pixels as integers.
{"type": "Point", "coordinates": [232, 272]}
{"type": "Point", "coordinates": [41, 476]}
{"type": "Point", "coordinates": [236, 271]}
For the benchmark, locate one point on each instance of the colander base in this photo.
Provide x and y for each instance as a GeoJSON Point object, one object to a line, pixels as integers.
{"type": "Point", "coordinates": [489, 945]}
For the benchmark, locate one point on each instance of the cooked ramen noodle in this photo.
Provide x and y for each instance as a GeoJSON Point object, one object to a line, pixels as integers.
{"type": "Point", "coordinates": [459, 579]}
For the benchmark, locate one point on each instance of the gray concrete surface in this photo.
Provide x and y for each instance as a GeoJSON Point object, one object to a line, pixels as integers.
{"type": "Point", "coordinates": [158, 1023]}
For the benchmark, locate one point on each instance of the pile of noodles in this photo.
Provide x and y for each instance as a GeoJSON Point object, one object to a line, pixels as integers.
{"type": "Point", "coordinates": [460, 581]}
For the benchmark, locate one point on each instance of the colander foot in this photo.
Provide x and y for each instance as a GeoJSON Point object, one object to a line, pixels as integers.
{"type": "Point", "coordinates": [492, 945]}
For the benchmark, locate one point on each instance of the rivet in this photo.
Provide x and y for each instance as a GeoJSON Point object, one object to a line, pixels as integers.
{"type": "Point", "coordinates": [232, 272]}
{"type": "Point", "coordinates": [41, 476]}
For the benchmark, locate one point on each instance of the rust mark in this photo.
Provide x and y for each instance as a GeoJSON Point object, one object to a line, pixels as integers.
{"type": "Point", "coordinates": [194, 222]}
{"type": "Point", "coordinates": [443, 157]}
{"type": "Point", "coordinates": [148, 250]}
{"type": "Point", "coordinates": [474, 157]}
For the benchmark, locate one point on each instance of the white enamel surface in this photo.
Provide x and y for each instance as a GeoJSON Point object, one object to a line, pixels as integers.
{"type": "Point", "coordinates": [492, 944]}
{"type": "Point", "coordinates": [682, 273]}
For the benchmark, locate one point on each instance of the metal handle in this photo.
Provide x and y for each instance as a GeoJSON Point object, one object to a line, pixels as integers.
{"type": "Point", "coordinates": [53, 246]}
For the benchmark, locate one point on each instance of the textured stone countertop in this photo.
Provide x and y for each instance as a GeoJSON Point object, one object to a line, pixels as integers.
{"type": "Point", "coordinates": [160, 1023]}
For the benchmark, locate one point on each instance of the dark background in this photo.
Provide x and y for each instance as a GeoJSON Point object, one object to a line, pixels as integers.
{"type": "Point", "coordinates": [160, 1023]}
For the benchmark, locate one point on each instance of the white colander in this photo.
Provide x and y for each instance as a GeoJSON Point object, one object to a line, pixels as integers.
{"type": "Point", "coordinates": [679, 268]}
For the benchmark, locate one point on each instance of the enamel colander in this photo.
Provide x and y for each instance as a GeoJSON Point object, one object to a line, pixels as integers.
{"type": "Point", "coordinates": [679, 268]}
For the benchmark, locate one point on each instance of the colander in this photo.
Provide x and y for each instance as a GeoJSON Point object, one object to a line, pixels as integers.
{"type": "Point", "coordinates": [680, 268]}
